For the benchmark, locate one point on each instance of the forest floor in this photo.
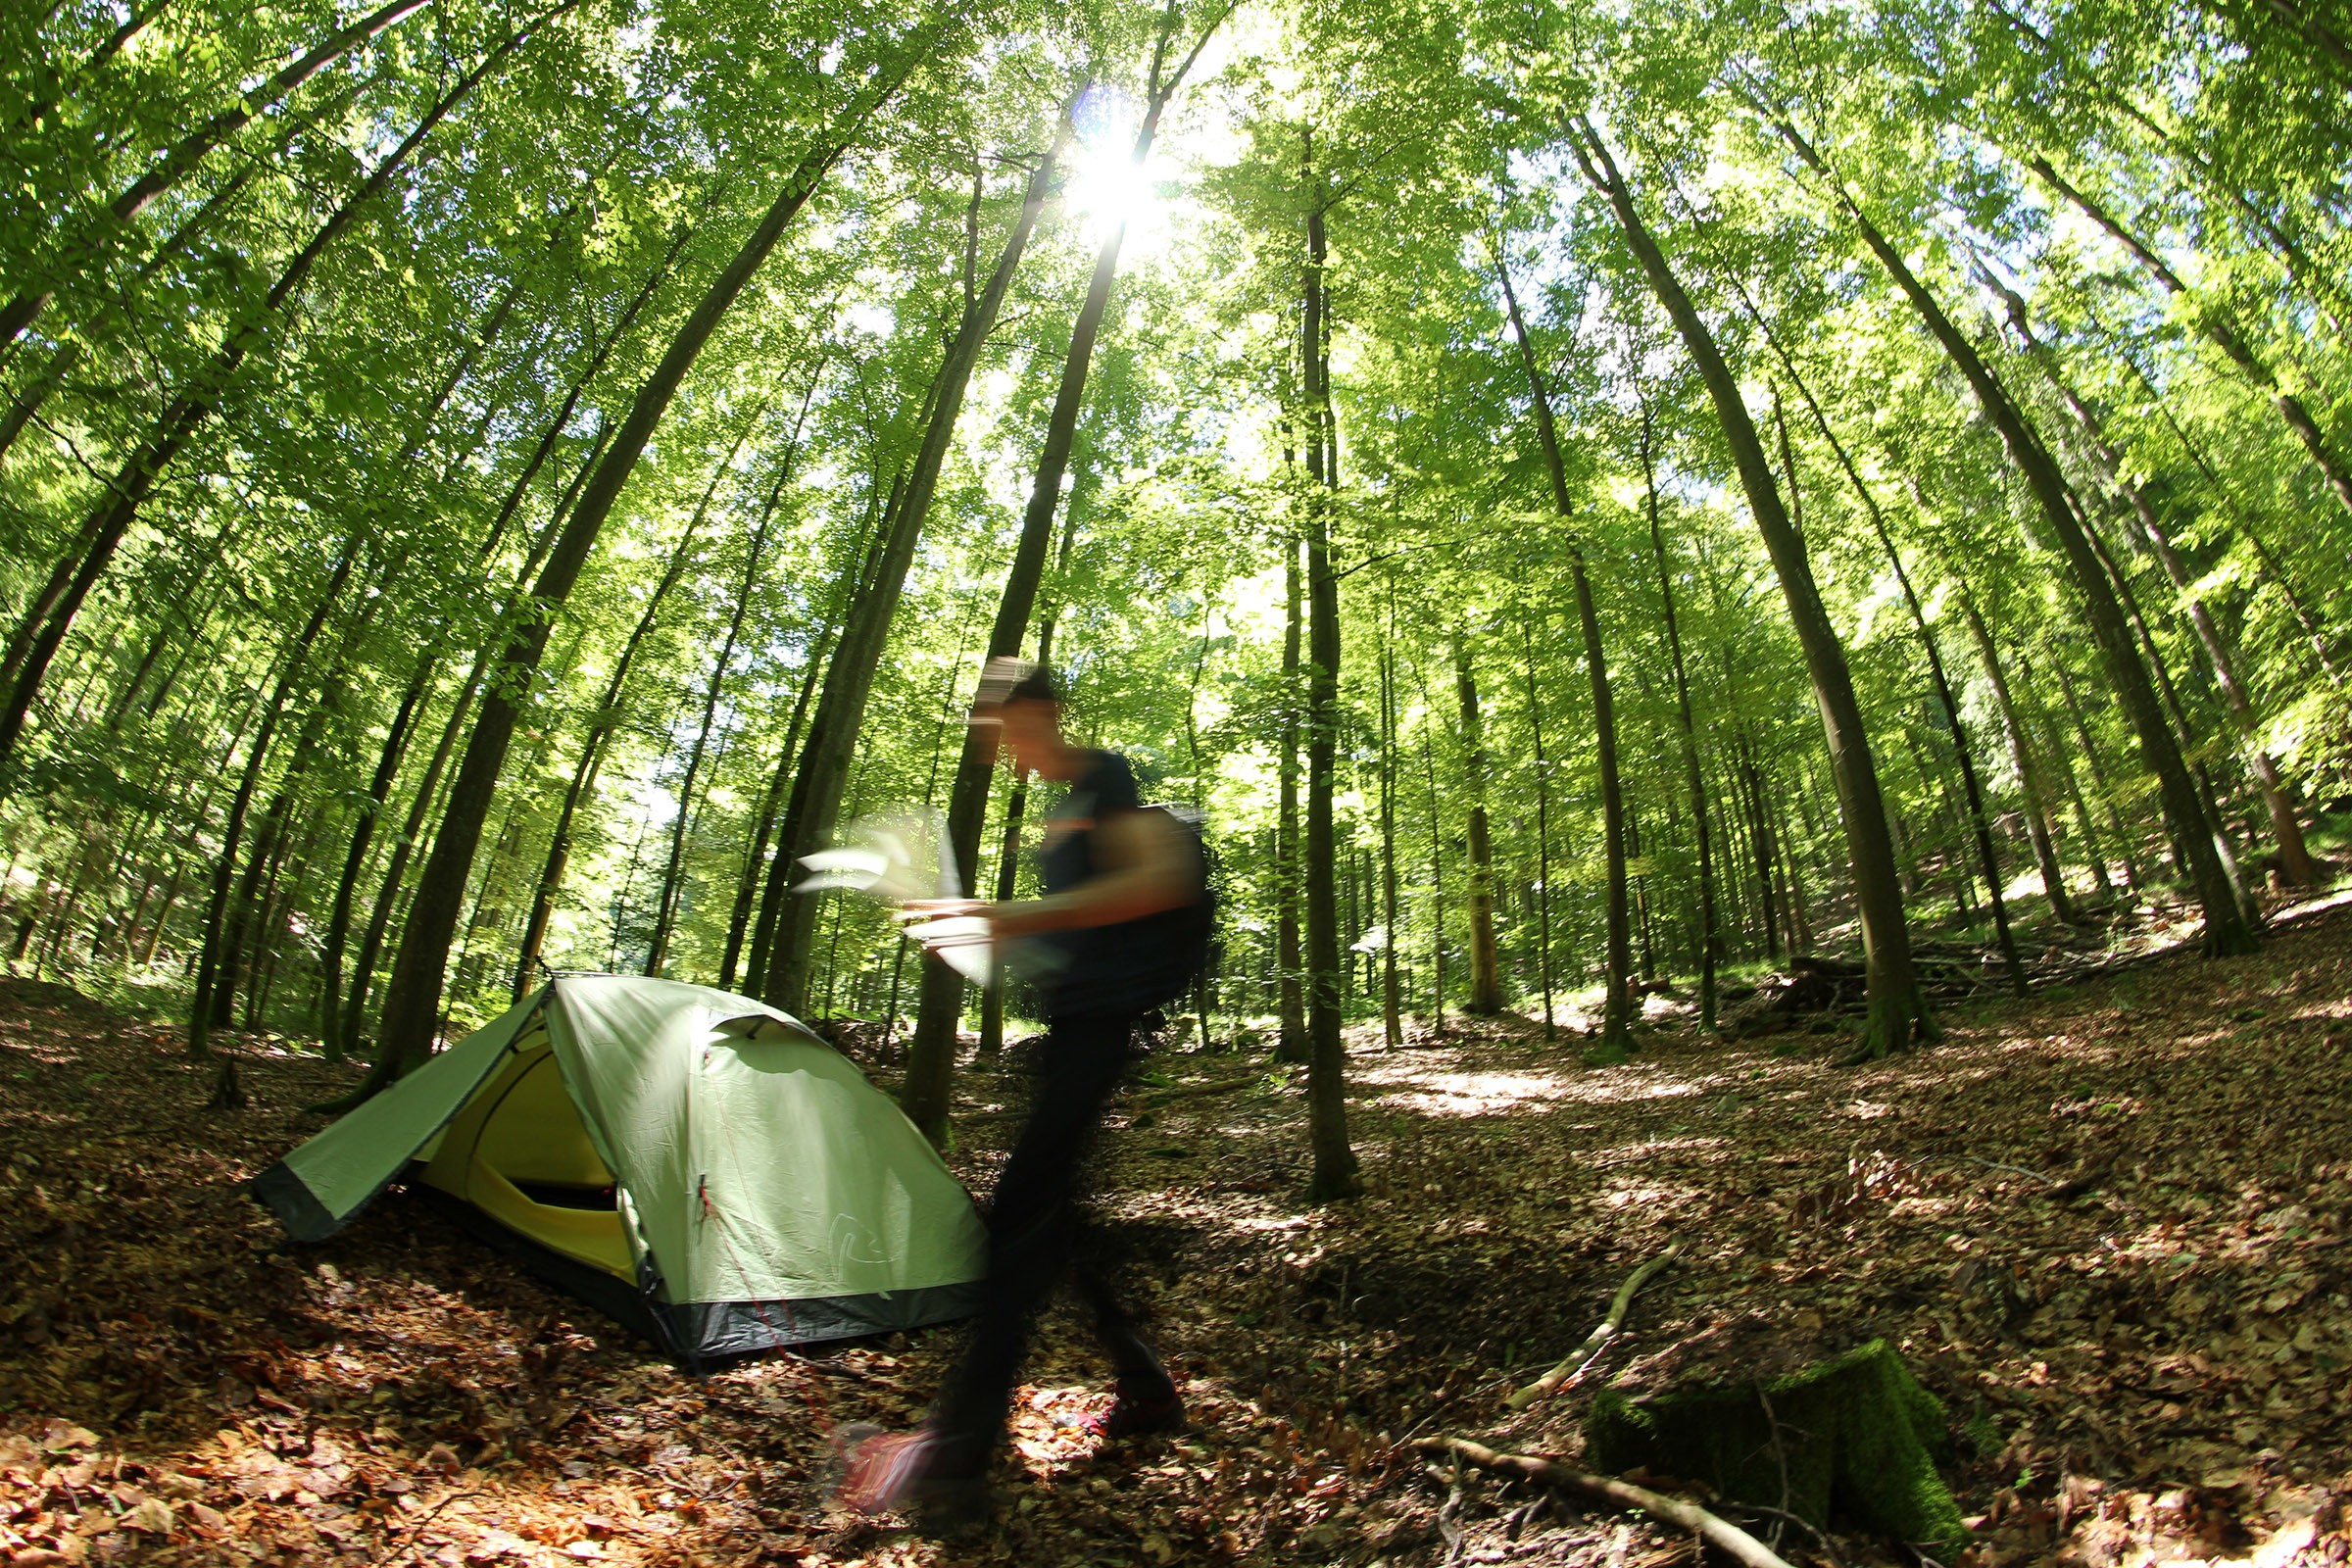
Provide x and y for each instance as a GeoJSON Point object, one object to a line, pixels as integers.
{"type": "Point", "coordinates": [2107, 1224]}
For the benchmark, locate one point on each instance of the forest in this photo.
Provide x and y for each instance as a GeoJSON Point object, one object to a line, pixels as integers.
{"type": "Point", "coordinates": [1701, 564]}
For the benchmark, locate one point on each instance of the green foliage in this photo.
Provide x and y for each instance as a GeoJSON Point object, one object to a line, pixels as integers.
{"type": "Point", "coordinates": [431, 393]}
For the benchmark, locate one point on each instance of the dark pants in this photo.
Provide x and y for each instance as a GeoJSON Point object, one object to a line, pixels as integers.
{"type": "Point", "coordinates": [1036, 1232]}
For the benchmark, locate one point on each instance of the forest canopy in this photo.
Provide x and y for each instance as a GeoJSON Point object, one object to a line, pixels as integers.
{"type": "Point", "coordinates": [1576, 497]}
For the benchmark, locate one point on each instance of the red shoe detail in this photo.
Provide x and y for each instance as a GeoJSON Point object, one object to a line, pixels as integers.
{"type": "Point", "coordinates": [879, 1470]}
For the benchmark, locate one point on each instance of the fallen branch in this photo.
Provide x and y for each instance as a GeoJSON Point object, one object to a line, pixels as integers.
{"type": "Point", "coordinates": [1581, 1356]}
{"type": "Point", "coordinates": [1724, 1535]}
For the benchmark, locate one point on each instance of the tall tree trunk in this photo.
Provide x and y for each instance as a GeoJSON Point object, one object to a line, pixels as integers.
{"type": "Point", "coordinates": [1009, 856]}
{"type": "Point", "coordinates": [2020, 756]}
{"type": "Point", "coordinates": [1290, 1044]}
{"type": "Point", "coordinates": [2124, 838]}
{"type": "Point", "coordinates": [1543, 779]}
{"type": "Point", "coordinates": [1616, 1030]}
{"type": "Point", "coordinates": [817, 787]}
{"type": "Point", "coordinates": [665, 909]}
{"type": "Point", "coordinates": [1486, 969]}
{"type": "Point", "coordinates": [412, 998]}
{"type": "Point", "coordinates": [2295, 865]}
{"type": "Point", "coordinates": [1392, 994]}
{"type": "Point", "coordinates": [1897, 1008]}
{"type": "Point", "coordinates": [2227, 928]}
{"type": "Point", "coordinates": [1980, 822]}
{"type": "Point", "coordinates": [931, 1051]}
{"type": "Point", "coordinates": [335, 1042]}
{"type": "Point", "coordinates": [1335, 1162]}
{"type": "Point", "coordinates": [201, 1015]}
{"type": "Point", "coordinates": [1437, 862]}
{"type": "Point", "coordinates": [608, 715]}
{"type": "Point", "coordinates": [1710, 932]}
{"type": "Point", "coordinates": [763, 826]}
{"type": "Point", "coordinates": [2053, 746]}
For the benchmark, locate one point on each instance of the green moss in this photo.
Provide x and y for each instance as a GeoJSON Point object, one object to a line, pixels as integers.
{"type": "Point", "coordinates": [1855, 1436]}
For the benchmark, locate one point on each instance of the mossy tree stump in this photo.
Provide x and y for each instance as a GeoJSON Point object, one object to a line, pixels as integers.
{"type": "Point", "coordinates": [1856, 1436]}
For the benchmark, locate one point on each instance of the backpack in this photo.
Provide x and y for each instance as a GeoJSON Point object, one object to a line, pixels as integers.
{"type": "Point", "coordinates": [1196, 941]}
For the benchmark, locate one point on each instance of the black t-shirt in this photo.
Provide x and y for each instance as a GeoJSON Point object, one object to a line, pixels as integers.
{"type": "Point", "coordinates": [1133, 966]}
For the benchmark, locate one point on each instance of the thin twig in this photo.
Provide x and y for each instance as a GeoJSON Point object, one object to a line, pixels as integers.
{"type": "Point", "coordinates": [1820, 1536]}
{"type": "Point", "coordinates": [1780, 1452]}
{"type": "Point", "coordinates": [1576, 1360]}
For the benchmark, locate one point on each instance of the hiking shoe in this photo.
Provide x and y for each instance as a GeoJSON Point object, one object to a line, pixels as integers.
{"type": "Point", "coordinates": [882, 1472]}
{"type": "Point", "coordinates": [874, 1471]}
{"type": "Point", "coordinates": [1133, 1416]}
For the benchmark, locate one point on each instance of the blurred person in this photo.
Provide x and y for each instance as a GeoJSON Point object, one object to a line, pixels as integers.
{"type": "Point", "coordinates": [1121, 927]}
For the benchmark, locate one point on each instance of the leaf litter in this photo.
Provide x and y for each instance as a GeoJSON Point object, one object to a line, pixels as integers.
{"type": "Point", "coordinates": [2107, 1225]}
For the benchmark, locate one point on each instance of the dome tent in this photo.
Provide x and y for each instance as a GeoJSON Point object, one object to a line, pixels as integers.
{"type": "Point", "coordinates": [692, 1162]}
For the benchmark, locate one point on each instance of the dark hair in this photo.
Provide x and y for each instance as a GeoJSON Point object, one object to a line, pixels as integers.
{"type": "Point", "coordinates": [1007, 679]}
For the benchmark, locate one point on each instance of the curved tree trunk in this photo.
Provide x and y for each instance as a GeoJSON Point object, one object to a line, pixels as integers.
{"type": "Point", "coordinates": [1897, 1008]}
{"type": "Point", "coordinates": [817, 786]}
{"type": "Point", "coordinates": [412, 998]}
{"type": "Point", "coordinates": [1616, 1030]}
{"type": "Point", "coordinates": [2227, 928]}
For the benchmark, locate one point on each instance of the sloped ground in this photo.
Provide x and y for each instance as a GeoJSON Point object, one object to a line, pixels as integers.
{"type": "Point", "coordinates": [2108, 1225]}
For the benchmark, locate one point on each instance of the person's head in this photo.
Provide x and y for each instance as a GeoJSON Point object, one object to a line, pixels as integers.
{"type": "Point", "coordinates": [1021, 701]}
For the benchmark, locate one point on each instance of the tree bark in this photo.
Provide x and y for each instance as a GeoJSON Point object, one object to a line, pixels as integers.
{"type": "Point", "coordinates": [1335, 1164]}
{"type": "Point", "coordinates": [1392, 994]}
{"type": "Point", "coordinates": [1710, 937]}
{"type": "Point", "coordinates": [1486, 969]}
{"type": "Point", "coordinates": [2021, 756]}
{"type": "Point", "coordinates": [1290, 1044]}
